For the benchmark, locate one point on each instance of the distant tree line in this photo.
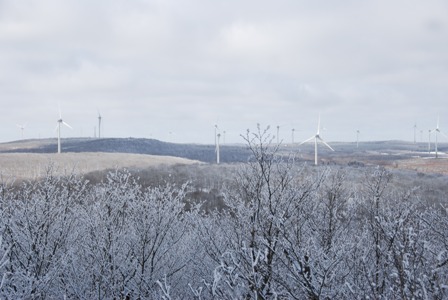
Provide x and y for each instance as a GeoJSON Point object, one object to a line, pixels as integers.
{"type": "Point", "coordinates": [283, 232]}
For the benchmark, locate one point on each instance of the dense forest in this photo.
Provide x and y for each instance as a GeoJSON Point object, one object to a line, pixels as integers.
{"type": "Point", "coordinates": [271, 228]}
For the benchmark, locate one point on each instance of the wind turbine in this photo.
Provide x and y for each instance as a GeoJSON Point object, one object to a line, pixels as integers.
{"type": "Point", "coordinates": [429, 141]}
{"type": "Point", "coordinates": [437, 130]}
{"type": "Point", "coordinates": [217, 148]}
{"type": "Point", "coordinates": [171, 138]}
{"type": "Point", "coordinates": [278, 134]}
{"type": "Point", "coordinates": [415, 133]}
{"type": "Point", "coordinates": [22, 128]}
{"type": "Point", "coordinates": [99, 125]}
{"type": "Point", "coordinates": [357, 138]}
{"type": "Point", "coordinates": [216, 132]}
{"type": "Point", "coordinates": [317, 137]}
{"type": "Point", "coordinates": [58, 127]}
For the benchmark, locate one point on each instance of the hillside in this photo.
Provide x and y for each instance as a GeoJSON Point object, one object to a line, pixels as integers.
{"type": "Point", "coordinates": [35, 165]}
{"type": "Point", "coordinates": [392, 154]}
{"type": "Point", "coordinates": [204, 153]}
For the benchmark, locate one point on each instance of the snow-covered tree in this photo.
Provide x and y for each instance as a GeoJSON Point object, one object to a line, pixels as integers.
{"type": "Point", "coordinates": [38, 224]}
{"type": "Point", "coordinates": [433, 282]}
{"type": "Point", "coordinates": [160, 239]}
{"type": "Point", "coordinates": [286, 231]}
{"type": "Point", "coordinates": [128, 238]}
{"type": "Point", "coordinates": [253, 241]}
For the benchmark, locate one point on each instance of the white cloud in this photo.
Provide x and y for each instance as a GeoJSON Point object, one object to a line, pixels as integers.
{"type": "Point", "coordinates": [185, 64]}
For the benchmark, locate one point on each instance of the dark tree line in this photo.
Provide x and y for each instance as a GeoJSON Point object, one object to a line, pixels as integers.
{"type": "Point", "coordinates": [287, 232]}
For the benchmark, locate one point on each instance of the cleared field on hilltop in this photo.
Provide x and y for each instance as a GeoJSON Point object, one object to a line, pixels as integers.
{"type": "Point", "coordinates": [30, 159]}
{"type": "Point", "coordinates": [425, 165]}
{"type": "Point", "coordinates": [389, 154]}
{"type": "Point", "coordinates": [35, 165]}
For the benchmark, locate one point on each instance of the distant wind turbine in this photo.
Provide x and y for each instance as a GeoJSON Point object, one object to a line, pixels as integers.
{"type": "Point", "coordinates": [278, 134]}
{"type": "Point", "coordinates": [99, 125]}
{"type": "Point", "coordinates": [58, 127]}
{"type": "Point", "coordinates": [22, 128]}
{"type": "Point", "coordinates": [216, 132]}
{"type": "Point", "coordinates": [429, 141]}
{"type": "Point", "coordinates": [415, 133]}
{"type": "Point", "coordinates": [436, 131]}
{"type": "Point", "coordinates": [357, 138]}
{"type": "Point", "coordinates": [282, 126]}
{"type": "Point", "coordinates": [317, 138]}
{"type": "Point", "coordinates": [217, 148]}
{"type": "Point", "coordinates": [171, 138]}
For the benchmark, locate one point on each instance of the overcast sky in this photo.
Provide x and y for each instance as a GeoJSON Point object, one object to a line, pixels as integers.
{"type": "Point", "coordinates": [171, 70]}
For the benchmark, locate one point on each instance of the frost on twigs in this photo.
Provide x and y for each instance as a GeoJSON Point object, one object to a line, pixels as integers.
{"type": "Point", "coordinates": [285, 232]}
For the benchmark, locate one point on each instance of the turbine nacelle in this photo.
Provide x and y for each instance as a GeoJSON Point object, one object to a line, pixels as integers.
{"type": "Point", "coordinates": [60, 121]}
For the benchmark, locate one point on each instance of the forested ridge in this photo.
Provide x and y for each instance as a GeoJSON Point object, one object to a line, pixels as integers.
{"type": "Point", "coordinates": [284, 231]}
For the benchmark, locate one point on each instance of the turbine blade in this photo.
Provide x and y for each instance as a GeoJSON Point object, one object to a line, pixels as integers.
{"type": "Point", "coordinates": [443, 134]}
{"type": "Point", "coordinates": [305, 141]}
{"type": "Point", "coordinates": [325, 143]}
{"type": "Point", "coordinates": [318, 125]}
{"type": "Point", "coordinates": [67, 125]}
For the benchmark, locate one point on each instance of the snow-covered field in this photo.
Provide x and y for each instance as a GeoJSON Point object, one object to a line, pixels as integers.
{"type": "Point", "coordinates": [33, 165]}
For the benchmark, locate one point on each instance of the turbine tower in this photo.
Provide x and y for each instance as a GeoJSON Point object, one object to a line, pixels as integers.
{"type": "Point", "coordinates": [217, 148]}
{"type": "Point", "coordinates": [317, 138]}
{"type": "Point", "coordinates": [429, 141]}
{"type": "Point", "coordinates": [58, 127]}
{"type": "Point", "coordinates": [357, 138]}
{"type": "Point", "coordinates": [99, 125]}
{"type": "Point", "coordinates": [278, 134]}
{"type": "Point", "coordinates": [415, 133]}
